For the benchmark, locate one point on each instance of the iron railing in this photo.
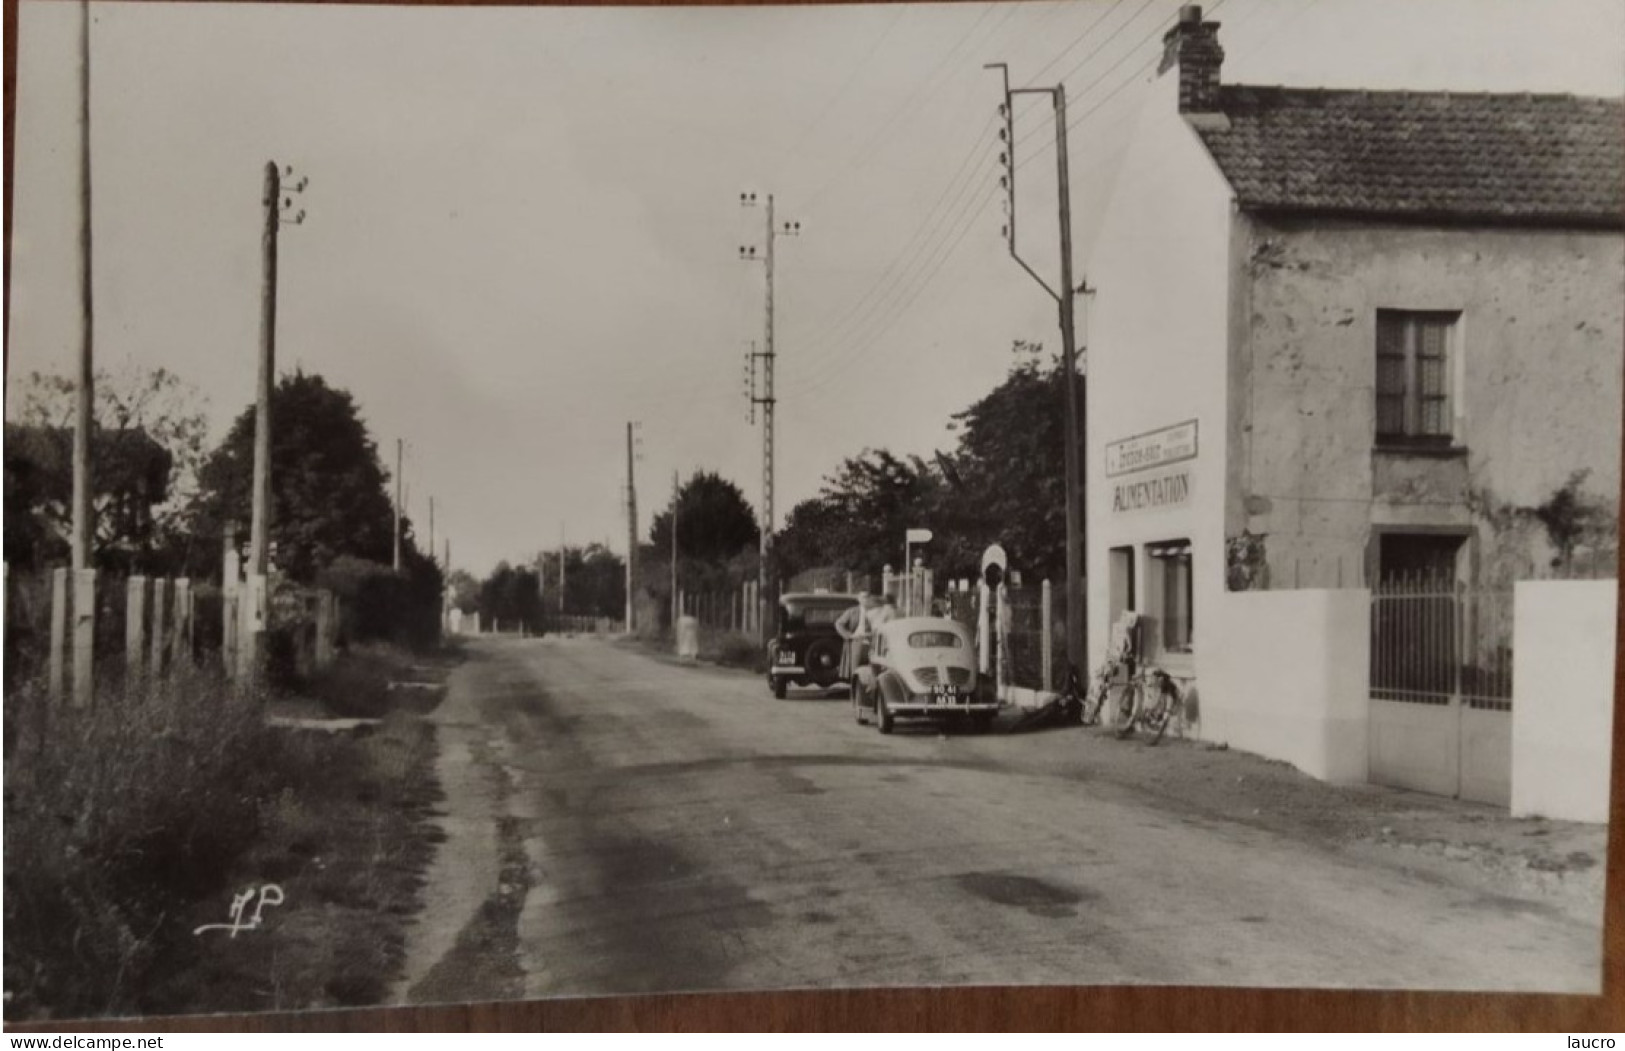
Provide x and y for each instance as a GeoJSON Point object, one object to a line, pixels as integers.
{"type": "Point", "coordinates": [1438, 641]}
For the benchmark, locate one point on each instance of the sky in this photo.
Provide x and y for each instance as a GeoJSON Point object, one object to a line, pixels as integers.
{"type": "Point", "coordinates": [523, 224]}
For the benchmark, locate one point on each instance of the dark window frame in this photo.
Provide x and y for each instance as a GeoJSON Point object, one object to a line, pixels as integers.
{"type": "Point", "coordinates": [1176, 613]}
{"type": "Point", "coordinates": [1415, 358]}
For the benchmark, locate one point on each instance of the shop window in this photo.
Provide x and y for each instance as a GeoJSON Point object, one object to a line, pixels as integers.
{"type": "Point", "coordinates": [1171, 563]}
{"type": "Point", "coordinates": [1413, 377]}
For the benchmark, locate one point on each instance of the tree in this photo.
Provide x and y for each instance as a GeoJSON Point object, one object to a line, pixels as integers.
{"type": "Point", "coordinates": [147, 440]}
{"type": "Point", "coordinates": [328, 494]}
{"type": "Point", "coordinates": [464, 590]}
{"type": "Point", "coordinates": [859, 517]}
{"type": "Point", "coordinates": [1006, 481]}
{"type": "Point", "coordinates": [714, 521]}
{"type": "Point", "coordinates": [512, 595]}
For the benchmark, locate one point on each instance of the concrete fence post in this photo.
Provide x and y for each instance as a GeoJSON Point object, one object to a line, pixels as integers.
{"type": "Point", "coordinates": [160, 625]}
{"type": "Point", "coordinates": [251, 603]}
{"type": "Point", "coordinates": [57, 660]}
{"type": "Point", "coordinates": [324, 629]}
{"type": "Point", "coordinates": [84, 637]}
{"type": "Point", "coordinates": [231, 619]}
{"type": "Point", "coordinates": [135, 632]}
{"type": "Point", "coordinates": [1047, 624]}
{"type": "Point", "coordinates": [184, 605]}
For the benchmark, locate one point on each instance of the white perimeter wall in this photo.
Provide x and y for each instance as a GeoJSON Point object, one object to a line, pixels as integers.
{"type": "Point", "coordinates": [1563, 697]}
{"type": "Point", "coordinates": [1285, 675]}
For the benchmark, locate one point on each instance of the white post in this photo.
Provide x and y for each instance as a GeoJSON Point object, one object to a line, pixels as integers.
{"type": "Point", "coordinates": [57, 676]}
{"type": "Point", "coordinates": [84, 637]}
{"type": "Point", "coordinates": [184, 605]}
{"type": "Point", "coordinates": [160, 625]}
{"type": "Point", "coordinates": [231, 618]}
{"type": "Point", "coordinates": [135, 610]}
{"type": "Point", "coordinates": [251, 602]}
{"type": "Point", "coordinates": [1048, 617]}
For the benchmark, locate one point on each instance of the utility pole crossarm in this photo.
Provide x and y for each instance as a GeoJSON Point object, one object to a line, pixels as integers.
{"type": "Point", "coordinates": [1076, 628]}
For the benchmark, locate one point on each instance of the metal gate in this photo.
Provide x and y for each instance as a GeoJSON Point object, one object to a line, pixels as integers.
{"type": "Point", "coordinates": [1441, 688]}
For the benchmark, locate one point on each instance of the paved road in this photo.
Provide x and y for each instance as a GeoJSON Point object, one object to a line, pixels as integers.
{"type": "Point", "coordinates": [618, 824]}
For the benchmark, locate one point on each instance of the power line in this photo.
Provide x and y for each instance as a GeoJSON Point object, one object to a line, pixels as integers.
{"type": "Point", "coordinates": [1059, 55]}
{"type": "Point", "coordinates": [846, 85]}
{"type": "Point", "coordinates": [974, 214]}
{"type": "Point", "coordinates": [864, 152]}
{"type": "Point", "coordinates": [899, 288]}
{"type": "Point", "coordinates": [912, 246]}
{"type": "Point", "coordinates": [1129, 53]}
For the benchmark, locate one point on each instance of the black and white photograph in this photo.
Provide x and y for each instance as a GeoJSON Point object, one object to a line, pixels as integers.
{"type": "Point", "coordinates": [507, 503]}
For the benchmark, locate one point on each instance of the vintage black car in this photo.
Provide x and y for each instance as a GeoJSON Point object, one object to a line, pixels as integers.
{"type": "Point", "coordinates": [805, 649]}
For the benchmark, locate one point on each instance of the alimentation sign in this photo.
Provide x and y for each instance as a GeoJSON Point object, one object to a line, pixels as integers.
{"type": "Point", "coordinates": [1151, 492]}
{"type": "Point", "coordinates": [1152, 471]}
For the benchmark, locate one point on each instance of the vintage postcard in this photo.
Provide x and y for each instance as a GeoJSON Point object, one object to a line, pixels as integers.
{"type": "Point", "coordinates": [522, 502]}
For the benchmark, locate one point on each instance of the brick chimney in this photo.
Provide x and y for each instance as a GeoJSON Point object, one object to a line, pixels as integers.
{"type": "Point", "coordinates": [1193, 46]}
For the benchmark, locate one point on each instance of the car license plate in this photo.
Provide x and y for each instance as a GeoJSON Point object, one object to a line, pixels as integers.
{"type": "Point", "coordinates": [941, 694]}
{"type": "Point", "coordinates": [786, 657]}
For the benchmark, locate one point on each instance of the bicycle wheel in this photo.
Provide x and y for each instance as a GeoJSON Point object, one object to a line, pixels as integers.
{"type": "Point", "coordinates": [1128, 708]}
{"type": "Point", "coordinates": [1094, 700]}
{"type": "Point", "coordinates": [1171, 704]}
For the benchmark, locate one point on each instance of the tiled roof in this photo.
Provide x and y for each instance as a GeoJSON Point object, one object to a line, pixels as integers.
{"type": "Point", "coordinates": [1524, 159]}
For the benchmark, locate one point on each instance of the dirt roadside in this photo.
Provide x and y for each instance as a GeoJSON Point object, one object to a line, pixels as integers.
{"type": "Point", "coordinates": [345, 844]}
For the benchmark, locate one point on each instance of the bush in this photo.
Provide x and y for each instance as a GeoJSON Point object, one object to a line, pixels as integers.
{"type": "Point", "coordinates": [381, 605]}
{"type": "Point", "coordinates": [733, 649]}
{"type": "Point", "coordinates": [113, 818]}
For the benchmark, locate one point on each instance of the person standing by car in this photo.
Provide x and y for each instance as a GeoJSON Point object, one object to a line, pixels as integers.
{"type": "Point", "coordinates": [886, 611]}
{"type": "Point", "coordinates": [853, 626]}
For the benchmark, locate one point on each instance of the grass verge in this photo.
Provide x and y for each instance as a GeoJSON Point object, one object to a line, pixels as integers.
{"type": "Point", "coordinates": [144, 817]}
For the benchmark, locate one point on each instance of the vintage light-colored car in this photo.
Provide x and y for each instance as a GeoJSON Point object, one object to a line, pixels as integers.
{"type": "Point", "coordinates": [921, 667]}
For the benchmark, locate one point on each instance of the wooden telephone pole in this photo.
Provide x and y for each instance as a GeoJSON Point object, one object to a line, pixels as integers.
{"type": "Point", "coordinates": [1076, 628]}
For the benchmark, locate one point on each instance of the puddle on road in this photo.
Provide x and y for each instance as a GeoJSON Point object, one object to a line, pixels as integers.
{"type": "Point", "coordinates": [1037, 896]}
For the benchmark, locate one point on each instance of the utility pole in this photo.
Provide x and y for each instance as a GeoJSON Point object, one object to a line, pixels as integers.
{"type": "Point", "coordinates": [676, 612]}
{"type": "Point", "coordinates": [83, 589]}
{"type": "Point", "coordinates": [398, 445]}
{"type": "Point", "coordinates": [431, 529]}
{"type": "Point", "coordinates": [83, 414]}
{"type": "Point", "coordinates": [1076, 627]}
{"type": "Point", "coordinates": [631, 524]}
{"type": "Point", "coordinates": [277, 199]}
{"type": "Point", "coordinates": [766, 399]}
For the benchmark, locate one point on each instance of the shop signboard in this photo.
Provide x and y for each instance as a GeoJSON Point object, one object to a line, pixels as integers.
{"type": "Point", "coordinates": [1158, 448]}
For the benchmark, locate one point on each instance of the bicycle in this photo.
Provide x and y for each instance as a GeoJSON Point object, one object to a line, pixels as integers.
{"type": "Point", "coordinates": [1133, 711]}
{"type": "Point", "coordinates": [1100, 686]}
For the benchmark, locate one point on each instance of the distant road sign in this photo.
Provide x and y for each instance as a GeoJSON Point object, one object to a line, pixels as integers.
{"type": "Point", "coordinates": [918, 536]}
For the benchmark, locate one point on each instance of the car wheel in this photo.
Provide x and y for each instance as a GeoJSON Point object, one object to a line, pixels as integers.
{"type": "Point", "coordinates": [780, 686]}
{"type": "Point", "coordinates": [981, 722]}
{"type": "Point", "coordinates": [883, 716]}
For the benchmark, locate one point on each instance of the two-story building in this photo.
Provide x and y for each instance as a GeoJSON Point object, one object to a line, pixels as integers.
{"type": "Point", "coordinates": [1353, 339]}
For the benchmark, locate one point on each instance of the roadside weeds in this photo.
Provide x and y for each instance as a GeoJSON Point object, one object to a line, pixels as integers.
{"type": "Point", "coordinates": [338, 823]}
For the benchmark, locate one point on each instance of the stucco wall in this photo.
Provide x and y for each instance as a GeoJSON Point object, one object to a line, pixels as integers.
{"type": "Point", "coordinates": [1157, 353]}
{"type": "Point", "coordinates": [1537, 388]}
{"type": "Point", "coordinates": [1285, 674]}
{"type": "Point", "coordinates": [1563, 698]}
